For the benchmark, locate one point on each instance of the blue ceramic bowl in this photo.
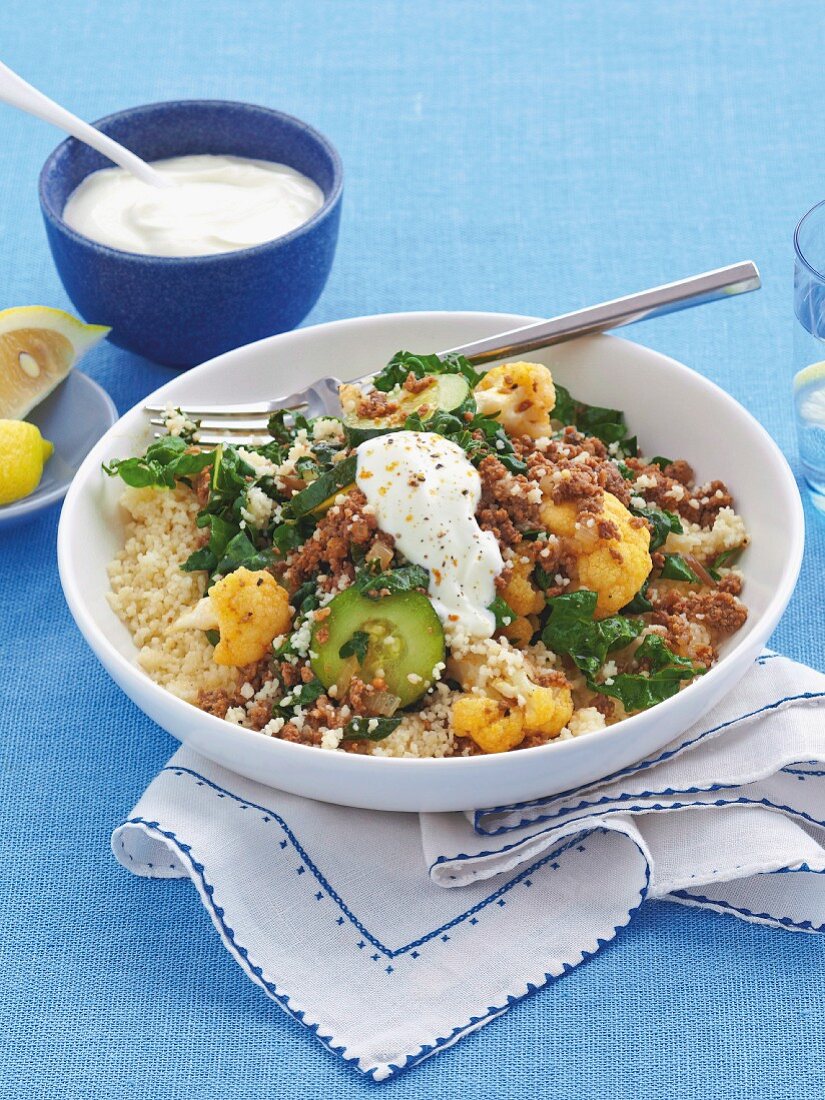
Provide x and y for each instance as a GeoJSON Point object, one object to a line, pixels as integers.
{"type": "Point", "coordinates": [183, 310]}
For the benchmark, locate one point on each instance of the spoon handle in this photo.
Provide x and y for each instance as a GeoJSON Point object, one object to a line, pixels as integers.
{"type": "Point", "coordinates": [17, 93]}
{"type": "Point", "coordinates": [723, 282]}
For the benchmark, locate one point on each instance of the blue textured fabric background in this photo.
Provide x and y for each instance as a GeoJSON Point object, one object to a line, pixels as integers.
{"type": "Point", "coordinates": [521, 156]}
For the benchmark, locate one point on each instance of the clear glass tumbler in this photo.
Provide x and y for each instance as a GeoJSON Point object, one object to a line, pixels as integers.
{"type": "Point", "coordinates": [809, 348]}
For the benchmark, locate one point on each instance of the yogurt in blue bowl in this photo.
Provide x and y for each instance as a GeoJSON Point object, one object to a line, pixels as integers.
{"type": "Point", "coordinates": [143, 261]}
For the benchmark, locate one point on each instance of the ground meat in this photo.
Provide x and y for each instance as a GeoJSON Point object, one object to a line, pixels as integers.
{"type": "Point", "coordinates": [673, 491]}
{"type": "Point", "coordinates": [258, 714]}
{"type": "Point", "coordinates": [578, 483]}
{"type": "Point", "coordinates": [551, 678]}
{"type": "Point", "coordinates": [375, 405]}
{"type": "Point", "coordinates": [290, 674]}
{"type": "Point", "coordinates": [604, 705]}
{"type": "Point", "coordinates": [216, 702]}
{"type": "Point", "coordinates": [343, 527]}
{"type": "Point", "coordinates": [731, 582]}
{"type": "Point", "coordinates": [720, 611]}
{"type": "Point", "coordinates": [465, 746]}
{"type": "Point", "coordinates": [505, 508]}
{"type": "Point", "coordinates": [303, 736]}
{"type": "Point", "coordinates": [417, 385]}
{"type": "Point", "coordinates": [680, 471]}
{"type": "Point", "coordinates": [681, 636]}
{"type": "Point", "coordinates": [612, 482]}
{"type": "Point", "coordinates": [576, 468]}
{"type": "Point", "coordinates": [533, 740]}
{"type": "Point", "coordinates": [710, 498]}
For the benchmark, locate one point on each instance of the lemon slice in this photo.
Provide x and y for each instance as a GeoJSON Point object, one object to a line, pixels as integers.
{"type": "Point", "coordinates": [23, 453]}
{"type": "Point", "coordinates": [38, 348]}
{"type": "Point", "coordinates": [814, 372]}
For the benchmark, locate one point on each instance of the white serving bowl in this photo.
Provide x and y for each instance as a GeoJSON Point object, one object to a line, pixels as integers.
{"type": "Point", "coordinates": [673, 410]}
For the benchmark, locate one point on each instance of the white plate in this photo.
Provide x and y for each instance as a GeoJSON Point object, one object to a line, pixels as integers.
{"type": "Point", "coordinates": [674, 411]}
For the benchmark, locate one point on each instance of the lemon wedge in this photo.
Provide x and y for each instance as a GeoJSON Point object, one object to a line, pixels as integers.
{"type": "Point", "coordinates": [38, 348]}
{"type": "Point", "coordinates": [23, 454]}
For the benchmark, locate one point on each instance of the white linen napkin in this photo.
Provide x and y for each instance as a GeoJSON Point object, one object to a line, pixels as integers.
{"type": "Point", "coordinates": [388, 960]}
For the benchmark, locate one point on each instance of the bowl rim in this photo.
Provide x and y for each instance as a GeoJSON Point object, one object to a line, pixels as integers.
{"type": "Point", "coordinates": [18, 509]}
{"type": "Point", "coordinates": [353, 762]}
{"type": "Point", "coordinates": [330, 201]}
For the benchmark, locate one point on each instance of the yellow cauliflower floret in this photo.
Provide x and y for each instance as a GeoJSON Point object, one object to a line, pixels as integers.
{"type": "Point", "coordinates": [251, 609]}
{"type": "Point", "coordinates": [520, 395]}
{"type": "Point", "coordinates": [487, 722]}
{"type": "Point", "coordinates": [507, 704]}
{"type": "Point", "coordinates": [519, 631]}
{"type": "Point", "coordinates": [520, 593]}
{"type": "Point", "coordinates": [548, 710]}
{"type": "Point", "coordinates": [614, 568]}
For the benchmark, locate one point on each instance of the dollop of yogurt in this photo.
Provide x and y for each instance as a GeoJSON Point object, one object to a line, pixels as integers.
{"type": "Point", "coordinates": [218, 204]}
{"type": "Point", "coordinates": [424, 492]}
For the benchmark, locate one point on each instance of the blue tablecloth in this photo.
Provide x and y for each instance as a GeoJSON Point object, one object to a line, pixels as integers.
{"type": "Point", "coordinates": [521, 156]}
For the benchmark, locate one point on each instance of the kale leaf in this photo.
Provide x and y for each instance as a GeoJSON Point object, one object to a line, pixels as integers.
{"type": "Point", "coordinates": [726, 558]}
{"type": "Point", "coordinates": [662, 524]}
{"type": "Point", "coordinates": [642, 690]}
{"type": "Point", "coordinates": [502, 611]}
{"type": "Point", "coordinates": [677, 569]}
{"type": "Point", "coordinates": [301, 696]}
{"type": "Point", "coordinates": [407, 578]}
{"type": "Point", "coordinates": [356, 647]}
{"type": "Point", "coordinates": [571, 629]}
{"type": "Point", "coordinates": [608, 425]}
{"type": "Point", "coordinates": [640, 603]}
{"type": "Point", "coordinates": [404, 363]}
{"type": "Point", "coordinates": [369, 729]}
{"type": "Point", "coordinates": [164, 461]}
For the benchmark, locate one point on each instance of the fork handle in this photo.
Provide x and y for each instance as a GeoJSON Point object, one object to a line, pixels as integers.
{"type": "Point", "coordinates": [722, 282]}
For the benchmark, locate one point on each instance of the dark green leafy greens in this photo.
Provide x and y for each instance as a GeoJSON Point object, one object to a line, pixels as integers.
{"type": "Point", "coordinates": [404, 363]}
{"type": "Point", "coordinates": [676, 568]}
{"type": "Point", "coordinates": [606, 424]}
{"type": "Point", "coordinates": [356, 646]}
{"type": "Point", "coordinates": [502, 611]}
{"type": "Point", "coordinates": [721, 561]}
{"type": "Point", "coordinates": [665, 674]}
{"type": "Point", "coordinates": [369, 729]}
{"type": "Point", "coordinates": [301, 696]}
{"type": "Point", "coordinates": [407, 578]}
{"type": "Point", "coordinates": [640, 603]}
{"type": "Point", "coordinates": [661, 523]}
{"type": "Point", "coordinates": [163, 463]}
{"type": "Point", "coordinates": [571, 629]}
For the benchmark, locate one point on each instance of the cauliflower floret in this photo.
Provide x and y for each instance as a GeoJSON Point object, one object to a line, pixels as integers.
{"type": "Point", "coordinates": [251, 609]}
{"type": "Point", "coordinates": [504, 704]}
{"type": "Point", "coordinates": [614, 568]}
{"type": "Point", "coordinates": [520, 593]}
{"type": "Point", "coordinates": [488, 723]}
{"type": "Point", "coordinates": [349, 395]}
{"type": "Point", "coordinates": [520, 630]}
{"type": "Point", "coordinates": [521, 395]}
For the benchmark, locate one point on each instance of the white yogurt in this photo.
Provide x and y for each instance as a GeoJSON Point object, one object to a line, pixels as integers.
{"type": "Point", "coordinates": [218, 204]}
{"type": "Point", "coordinates": [425, 492]}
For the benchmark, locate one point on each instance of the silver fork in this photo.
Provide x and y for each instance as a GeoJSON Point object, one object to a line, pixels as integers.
{"type": "Point", "coordinates": [247, 423]}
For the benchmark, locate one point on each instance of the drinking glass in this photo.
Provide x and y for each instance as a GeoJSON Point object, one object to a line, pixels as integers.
{"type": "Point", "coordinates": [809, 349]}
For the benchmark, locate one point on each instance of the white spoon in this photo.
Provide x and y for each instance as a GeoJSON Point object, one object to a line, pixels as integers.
{"type": "Point", "coordinates": [17, 93]}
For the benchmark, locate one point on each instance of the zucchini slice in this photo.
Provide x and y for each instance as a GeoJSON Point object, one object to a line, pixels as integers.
{"type": "Point", "coordinates": [445, 393]}
{"type": "Point", "coordinates": [319, 494]}
{"type": "Point", "coordinates": [401, 639]}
